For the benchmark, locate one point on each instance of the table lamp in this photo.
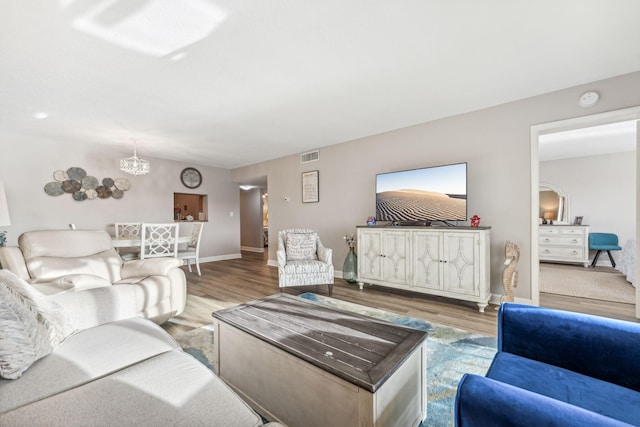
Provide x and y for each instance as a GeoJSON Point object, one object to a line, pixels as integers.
{"type": "Point", "coordinates": [4, 213]}
{"type": "Point", "coordinates": [548, 216]}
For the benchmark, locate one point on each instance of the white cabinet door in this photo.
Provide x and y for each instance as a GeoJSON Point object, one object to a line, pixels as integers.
{"type": "Point", "coordinates": [383, 255]}
{"type": "Point", "coordinates": [370, 253]}
{"type": "Point", "coordinates": [461, 253]}
{"type": "Point", "coordinates": [395, 253]}
{"type": "Point", "coordinates": [427, 260]}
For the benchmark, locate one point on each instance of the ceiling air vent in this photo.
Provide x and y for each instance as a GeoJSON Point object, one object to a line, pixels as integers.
{"type": "Point", "coordinates": [311, 156]}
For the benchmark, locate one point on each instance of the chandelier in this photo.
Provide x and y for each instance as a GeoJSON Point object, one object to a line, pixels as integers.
{"type": "Point", "coordinates": [134, 165]}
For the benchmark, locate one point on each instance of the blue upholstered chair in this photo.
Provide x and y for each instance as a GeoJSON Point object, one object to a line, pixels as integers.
{"type": "Point", "coordinates": [555, 368]}
{"type": "Point", "coordinates": [603, 242]}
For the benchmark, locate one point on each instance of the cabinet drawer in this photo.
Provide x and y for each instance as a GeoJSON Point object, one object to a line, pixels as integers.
{"type": "Point", "coordinates": [548, 231]}
{"type": "Point", "coordinates": [561, 240]}
{"type": "Point", "coordinates": [550, 252]}
{"type": "Point", "coordinates": [562, 231]}
{"type": "Point", "coordinates": [572, 231]}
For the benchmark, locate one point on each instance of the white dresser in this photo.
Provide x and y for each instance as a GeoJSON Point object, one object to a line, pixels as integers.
{"type": "Point", "coordinates": [564, 243]}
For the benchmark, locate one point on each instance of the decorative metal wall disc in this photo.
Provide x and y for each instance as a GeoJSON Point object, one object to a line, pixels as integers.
{"type": "Point", "coordinates": [90, 183]}
{"type": "Point", "coordinates": [107, 182]}
{"type": "Point", "coordinates": [76, 173]}
{"type": "Point", "coordinates": [91, 194]}
{"type": "Point", "coordinates": [117, 194]}
{"type": "Point", "coordinates": [60, 176]}
{"type": "Point", "coordinates": [103, 192]}
{"type": "Point", "coordinates": [71, 186]}
{"type": "Point", "coordinates": [54, 188]}
{"type": "Point", "coordinates": [122, 184]}
{"type": "Point", "coordinates": [79, 196]}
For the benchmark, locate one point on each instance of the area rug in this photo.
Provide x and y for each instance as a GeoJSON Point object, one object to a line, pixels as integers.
{"type": "Point", "coordinates": [586, 283]}
{"type": "Point", "coordinates": [451, 352]}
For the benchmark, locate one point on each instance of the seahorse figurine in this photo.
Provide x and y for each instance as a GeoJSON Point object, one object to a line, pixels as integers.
{"type": "Point", "coordinates": [510, 273]}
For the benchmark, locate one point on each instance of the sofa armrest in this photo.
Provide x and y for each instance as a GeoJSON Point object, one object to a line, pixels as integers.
{"type": "Point", "coordinates": [93, 307]}
{"type": "Point", "coordinates": [595, 346]}
{"type": "Point", "coordinates": [282, 257]}
{"type": "Point", "coordinates": [149, 267]}
{"type": "Point", "coordinates": [482, 401]}
{"type": "Point", "coordinates": [324, 254]}
{"type": "Point", "coordinates": [11, 259]}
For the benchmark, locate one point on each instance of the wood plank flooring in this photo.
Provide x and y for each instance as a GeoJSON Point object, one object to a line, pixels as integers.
{"type": "Point", "coordinates": [228, 283]}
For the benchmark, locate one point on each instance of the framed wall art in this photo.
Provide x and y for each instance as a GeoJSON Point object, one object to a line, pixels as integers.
{"type": "Point", "coordinates": [310, 190]}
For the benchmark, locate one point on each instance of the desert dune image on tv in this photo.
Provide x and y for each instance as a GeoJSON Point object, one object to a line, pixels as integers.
{"type": "Point", "coordinates": [434, 194]}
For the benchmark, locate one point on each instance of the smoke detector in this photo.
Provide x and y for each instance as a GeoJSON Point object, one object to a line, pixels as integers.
{"type": "Point", "coordinates": [588, 99]}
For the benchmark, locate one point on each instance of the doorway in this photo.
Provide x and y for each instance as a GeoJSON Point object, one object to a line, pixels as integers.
{"type": "Point", "coordinates": [539, 132]}
{"type": "Point", "coordinates": [254, 208]}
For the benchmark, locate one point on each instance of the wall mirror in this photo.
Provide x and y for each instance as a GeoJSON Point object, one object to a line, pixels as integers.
{"type": "Point", "coordinates": [554, 204]}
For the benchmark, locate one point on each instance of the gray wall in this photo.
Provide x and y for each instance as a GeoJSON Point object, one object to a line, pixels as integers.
{"type": "Point", "coordinates": [28, 163]}
{"type": "Point", "coordinates": [495, 142]}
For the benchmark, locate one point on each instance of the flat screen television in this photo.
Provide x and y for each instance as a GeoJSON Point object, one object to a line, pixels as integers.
{"type": "Point", "coordinates": [437, 193]}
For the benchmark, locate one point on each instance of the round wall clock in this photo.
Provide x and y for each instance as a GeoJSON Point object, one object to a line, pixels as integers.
{"type": "Point", "coordinates": [191, 177]}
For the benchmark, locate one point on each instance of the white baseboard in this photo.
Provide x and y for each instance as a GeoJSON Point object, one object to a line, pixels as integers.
{"type": "Point", "coordinates": [251, 249]}
{"type": "Point", "coordinates": [272, 263]}
{"type": "Point", "coordinates": [220, 258]}
{"type": "Point", "coordinates": [525, 301]}
{"type": "Point", "coordinates": [495, 299]}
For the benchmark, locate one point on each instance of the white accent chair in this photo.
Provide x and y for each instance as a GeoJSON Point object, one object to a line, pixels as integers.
{"type": "Point", "coordinates": [128, 230]}
{"type": "Point", "coordinates": [303, 260]}
{"type": "Point", "coordinates": [159, 240]}
{"type": "Point", "coordinates": [192, 252]}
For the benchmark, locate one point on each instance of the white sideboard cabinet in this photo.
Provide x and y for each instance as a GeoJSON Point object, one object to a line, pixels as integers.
{"type": "Point", "coordinates": [564, 243]}
{"type": "Point", "coordinates": [449, 262]}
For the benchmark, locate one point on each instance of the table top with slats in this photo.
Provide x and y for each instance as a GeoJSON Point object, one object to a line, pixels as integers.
{"type": "Point", "coordinates": [357, 348]}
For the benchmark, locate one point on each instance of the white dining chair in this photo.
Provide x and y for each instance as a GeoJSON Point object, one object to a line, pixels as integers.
{"type": "Point", "coordinates": [192, 251]}
{"type": "Point", "coordinates": [128, 230]}
{"type": "Point", "coordinates": [159, 240]}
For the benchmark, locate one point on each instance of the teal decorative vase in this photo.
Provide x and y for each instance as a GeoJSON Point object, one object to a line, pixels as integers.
{"type": "Point", "coordinates": [350, 267]}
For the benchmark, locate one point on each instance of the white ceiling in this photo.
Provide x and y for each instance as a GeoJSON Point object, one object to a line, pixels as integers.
{"type": "Point", "coordinates": [591, 141]}
{"type": "Point", "coordinates": [230, 83]}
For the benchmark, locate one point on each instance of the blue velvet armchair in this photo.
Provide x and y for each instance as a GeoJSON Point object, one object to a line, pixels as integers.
{"type": "Point", "coordinates": [555, 368]}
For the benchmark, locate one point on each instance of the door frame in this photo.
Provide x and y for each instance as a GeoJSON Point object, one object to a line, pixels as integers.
{"type": "Point", "coordinates": [608, 117]}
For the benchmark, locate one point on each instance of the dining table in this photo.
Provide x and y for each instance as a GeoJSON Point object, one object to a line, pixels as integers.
{"type": "Point", "coordinates": [128, 242]}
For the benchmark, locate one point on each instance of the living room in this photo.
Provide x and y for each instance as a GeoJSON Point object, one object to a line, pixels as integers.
{"type": "Point", "coordinates": [484, 118]}
{"type": "Point", "coordinates": [495, 143]}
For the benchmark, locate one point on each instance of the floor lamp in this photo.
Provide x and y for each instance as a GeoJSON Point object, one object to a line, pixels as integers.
{"type": "Point", "coordinates": [4, 213]}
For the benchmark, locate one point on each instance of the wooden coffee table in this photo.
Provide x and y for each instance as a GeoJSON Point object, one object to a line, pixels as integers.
{"type": "Point", "coordinates": [306, 364]}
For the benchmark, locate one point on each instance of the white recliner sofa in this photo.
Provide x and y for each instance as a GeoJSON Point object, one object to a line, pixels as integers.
{"type": "Point", "coordinates": [82, 272]}
{"type": "Point", "coordinates": [123, 372]}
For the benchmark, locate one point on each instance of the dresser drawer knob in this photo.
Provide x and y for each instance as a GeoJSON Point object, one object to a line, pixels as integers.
{"type": "Point", "coordinates": [575, 240]}
{"type": "Point", "coordinates": [546, 251]}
